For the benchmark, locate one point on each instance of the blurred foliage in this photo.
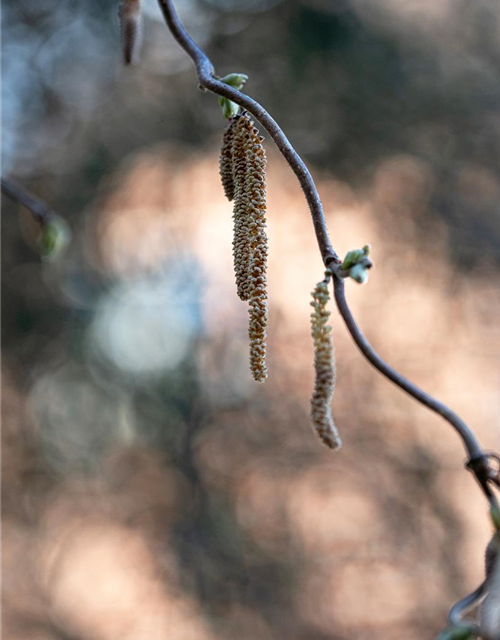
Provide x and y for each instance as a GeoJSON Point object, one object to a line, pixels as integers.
{"type": "Point", "coordinates": [150, 489]}
{"type": "Point", "coordinates": [368, 79]}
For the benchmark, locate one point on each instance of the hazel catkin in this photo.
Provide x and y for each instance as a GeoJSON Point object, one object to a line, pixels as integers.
{"type": "Point", "coordinates": [131, 29]}
{"type": "Point", "coordinates": [256, 215]}
{"type": "Point", "coordinates": [324, 366]}
{"type": "Point", "coordinates": [243, 176]}
{"type": "Point", "coordinates": [226, 160]}
{"type": "Point", "coordinates": [241, 235]}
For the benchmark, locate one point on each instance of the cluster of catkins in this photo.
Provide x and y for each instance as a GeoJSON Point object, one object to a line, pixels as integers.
{"type": "Point", "coordinates": [131, 29]}
{"type": "Point", "coordinates": [242, 171]}
{"type": "Point", "coordinates": [324, 366]}
{"type": "Point", "coordinates": [243, 175]}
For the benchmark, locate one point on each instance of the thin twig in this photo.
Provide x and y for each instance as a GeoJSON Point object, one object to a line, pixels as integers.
{"type": "Point", "coordinates": [473, 447]}
{"type": "Point", "coordinates": [456, 616]}
{"type": "Point", "coordinates": [207, 80]}
{"type": "Point", "coordinates": [460, 608]}
{"type": "Point", "coordinates": [39, 209]}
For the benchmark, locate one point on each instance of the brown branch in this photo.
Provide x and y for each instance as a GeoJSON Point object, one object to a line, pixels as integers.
{"type": "Point", "coordinates": [39, 209]}
{"type": "Point", "coordinates": [208, 80]}
{"type": "Point", "coordinates": [472, 445]}
{"type": "Point", "coordinates": [456, 616]}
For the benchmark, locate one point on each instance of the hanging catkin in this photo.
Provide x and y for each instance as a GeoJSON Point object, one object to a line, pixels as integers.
{"type": "Point", "coordinates": [131, 29]}
{"type": "Point", "coordinates": [226, 160]}
{"type": "Point", "coordinates": [324, 365]}
{"type": "Point", "coordinates": [256, 208]}
{"type": "Point", "coordinates": [241, 151]}
{"type": "Point", "coordinates": [241, 236]}
{"type": "Point", "coordinates": [243, 175]}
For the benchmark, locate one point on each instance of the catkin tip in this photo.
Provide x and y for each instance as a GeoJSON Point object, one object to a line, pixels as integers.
{"type": "Point", "coordinates": [335, 443]}
{"type": "Point", "coordinates": [131, 29]}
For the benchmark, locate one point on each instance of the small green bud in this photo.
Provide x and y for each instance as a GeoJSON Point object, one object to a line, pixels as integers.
{"type": "Point", "coordinates": [235, 80]}
{"type": "Point", "coordinates": [229, 108]}
{"type": "Point", "coordinates": [54, 238]}
{"type": "Point", "coordinates": [354, 256]}
{"type": "Point", "coordinates": [495, 516]}
{"type": "Point", "coordinates": [359, 273]}
{"type": "Point", "coordinates": [456, 633]}
{"type": "Point", "coordinates": [491, 555]}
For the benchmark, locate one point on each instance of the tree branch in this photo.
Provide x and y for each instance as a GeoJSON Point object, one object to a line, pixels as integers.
{"type": "Point", "coordinates": [478, 460]}
{"type": "Point", "coordinates": [40, 210]}
{"type": "Point", "coordinates": [460, 608]}
{"type": "Point", "coordinates": [208, 81]}
{"type": "Point", "coordinates": [473, 447]}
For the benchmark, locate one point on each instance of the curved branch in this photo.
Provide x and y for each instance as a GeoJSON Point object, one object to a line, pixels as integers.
{"type": "Point", "coordinates": [471, 444]}
{"type": "Point", "coordinates": [207, 80]}
{"type": "Point", "coordinates": [460, 608]}
{"type": "Point", "coordinates": [40, 210]}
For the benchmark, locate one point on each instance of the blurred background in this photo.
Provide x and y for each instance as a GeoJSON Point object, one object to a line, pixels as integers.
{"type": "Point", "coordinates": [151, 489]}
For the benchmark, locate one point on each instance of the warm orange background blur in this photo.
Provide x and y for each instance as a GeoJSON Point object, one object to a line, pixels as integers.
{"type": "Point", "coordinates": [151, 489]}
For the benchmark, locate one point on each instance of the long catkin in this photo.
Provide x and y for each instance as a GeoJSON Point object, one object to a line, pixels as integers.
{"type": "Point", "coordinates": [243, 176]}
{"type": "Point", "coordinates": [241, 234]}
{"type": "Point", "coordinates": [324, 366]}
{"type": "Point", "coordinates": [131, 29]}
{"type": "Point", "coordinates": [256, 210]}
{"type": "Point", "coordinates": [226, 160]}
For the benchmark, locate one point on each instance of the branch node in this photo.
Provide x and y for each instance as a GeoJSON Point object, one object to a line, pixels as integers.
{"type": "Point", "coordinates": [479, 465]}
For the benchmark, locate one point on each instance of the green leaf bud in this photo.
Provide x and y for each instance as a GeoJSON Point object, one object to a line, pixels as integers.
{"type": "Point", "coordinates": [359, 273]}
{"type": "Point", "coordinates": [456, 633]}
{"type": "Point", "coordinates": [229, 108]}
{"type": "Point", "coordinates": [354, 256]}
{"type": "Point", "coordinates": [235, 80]}
{"type": "Point", "coordinates": [495, 516]}
{"type": "Point", "coordinates": [54, 238]}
